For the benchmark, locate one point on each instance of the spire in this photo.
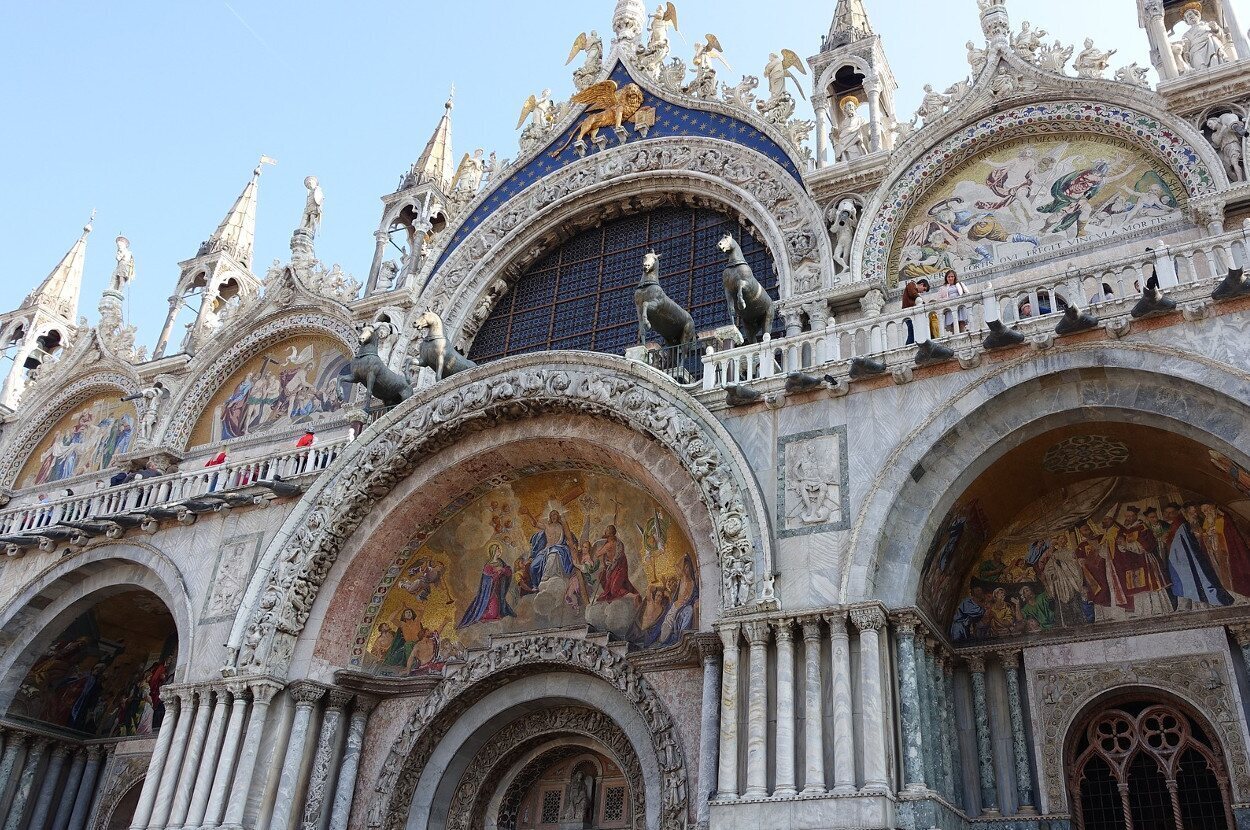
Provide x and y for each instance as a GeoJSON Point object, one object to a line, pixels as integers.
{"type": "Point", "coordinates": [436, 164]}
{"type": "Point", "coordinates": [59, 291]}
{"type": "Point", "coordinates": [850, 23]}
{"type": "Point", "coordinates": [237, 232]}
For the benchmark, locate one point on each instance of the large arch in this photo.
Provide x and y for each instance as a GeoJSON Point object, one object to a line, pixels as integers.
{"type": "Point", "coordinates": [929, 469]}
{"type": "Point", "coordinates": [433, 750]}
{"type": "Point", "coordinates": [736, 177]}
{"type": "Point", "coordinates": [665, 420]}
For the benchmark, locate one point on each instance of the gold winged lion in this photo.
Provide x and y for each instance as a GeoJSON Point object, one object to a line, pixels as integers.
{"type": "Point", "coordinates": [609, 107]}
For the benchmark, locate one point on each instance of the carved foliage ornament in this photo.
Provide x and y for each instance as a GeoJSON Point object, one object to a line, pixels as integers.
{"type": "Point", "coordinates": [397, 781]}
{"type": "Point", "coordinates": [454, 288]}
{"type": "Point", "coordinates": [366, 476]}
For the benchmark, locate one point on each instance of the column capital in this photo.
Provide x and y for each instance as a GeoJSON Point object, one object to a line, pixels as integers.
{"type": "Point", "coordinates": [837, 622]}
{"type": "Point", "coordinates": [783, 630]}
{"type": "Point", "coordinates": [976, 663]}
{"type": "Point", "coordinates": [757, 632]}
{"type": "Point", "coordinates": [868, 618]}
{"type": "Point", "coordinates": [94, 751]}
{"type": "Point", "coordinates": [1153, 8]}
{"type": "Point", "coordinates": [305, 692]}
{"type": "Point", "coordinates": [811, 629]}
{"type": "Point", "coordinates": [1241, 632]}
{"type": "Point", "coordinates": [905, 624]}
{"type": "Point", "coordinates": [380, 236]}
{"type": "Point", "coordinates": [1009, 658]}
{"type": "Point", "coordinates": [729, 636]}
{"type": "Point", "coordinates": [40, 743]}
{"type": "Point", "coordinates": [60, 749]}
{"type": "Point", "coordinates": [708, 647]}
{"type": "Point", "coordinates": [338, 698]}
{"type": "Point", "coordinates": [364, 704]}
{"type": "Point", "coordinates": [264, 689]}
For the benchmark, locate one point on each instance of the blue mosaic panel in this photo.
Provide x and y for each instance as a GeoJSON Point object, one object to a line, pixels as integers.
{"type": "Point", "coordinates": [671, 120]}
{"type": "Point", "coordinates": [581, 296]}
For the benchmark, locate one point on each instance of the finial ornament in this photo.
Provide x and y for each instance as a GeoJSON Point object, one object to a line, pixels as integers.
{"type": "Point", "coordinates": [91, 220]}
{"type": "Point", "coordinates": [451, 98]}
{"type": "Point", "coordinates": [263, 161]}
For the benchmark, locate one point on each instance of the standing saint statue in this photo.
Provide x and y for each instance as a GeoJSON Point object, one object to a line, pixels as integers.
{"type": "Point", "coordinates": [1202, 46]}
{"type": "Point", "coordinates": [848, 135]}
{"type": "Point", "coordinates": [124, 272]}
{"type": "Point", "coordinates": [1092, 62]}
{"type": "Point", "coordinates": [311, 220]}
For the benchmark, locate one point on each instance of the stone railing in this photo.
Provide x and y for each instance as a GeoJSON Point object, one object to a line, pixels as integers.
{"type": "Point", "coordinates": [167, 491]}
{"type": "Point", "coordinates": [1186, 273]}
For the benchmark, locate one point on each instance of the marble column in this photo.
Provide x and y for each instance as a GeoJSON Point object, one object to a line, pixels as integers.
{"type": "Point", "coordinates": [813, 711]}
{"type": "Point", "coordinates": [173, 761]}
{"type": "Point", "coordinates": [156, 767]}
{"type": "Point", "coordinates": [48, 786]}
{"type": "Point", "coordinates": [1158, 37]}
{"type": "Point", "coordinates": [26, 783]}
{"type": "Point", "coordinates": [65, 802]}
{"type": "Point", "coordinates": [873, 88]}
{"type": "Point", "coordinates": [985, 745]}
{"type": "Point", "coordinates": [1020, 749]}
{"type": "Point", "coordinates": [305, 696]}
{"type": "Point", "coordinates": [86, 788]}
{"type": "Point", "coordinates": [869, 621]}
{"type": "Point", "coordinates": [379, 253]}
{"type": "Point", "coordinates": [222, 776]}
{"type": "Point", "coordinates": [954, 757]}
{"type": "Point", "coordinates": [191, 761]}
{"type": "Point", "coordinates": [327, 742]}
{"type": "Point", "coordinates": [1234, 30]}
{"type": "Point", "coordinates": [757, 710]}
{"type": "Point", "coordinates": [208, 760]}
{"type": "Point", "coordinates": [821, 107]}
{"type": "Point", "coordinates": [727, 774]}
{"type": "Point", "coordinates": [345, 789]}
{"type": "Point", "coordinates": [262, 693]}
{"type": "Point", "coordinates": [13, 743]}
{"type": "Point", "coordinates": [709, 730]}
{"type": "Point", "coordinates": [843, 705]}
{"type": "Point", "coordinates": [949, 740]}
{"type": "Point", "coordinates": [783, 631]}
{"type": "Point", "coordinates": [909, 704]}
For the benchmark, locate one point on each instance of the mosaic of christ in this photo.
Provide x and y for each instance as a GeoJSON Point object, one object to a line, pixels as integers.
{"type": "Point", "coordinates": [1027, 196]}
{"type": "Point", "coordinates": [549, 550]}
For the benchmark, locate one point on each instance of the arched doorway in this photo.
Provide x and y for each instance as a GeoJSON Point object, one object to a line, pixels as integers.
{"type": "Point", "coordinates": [1143, 764]}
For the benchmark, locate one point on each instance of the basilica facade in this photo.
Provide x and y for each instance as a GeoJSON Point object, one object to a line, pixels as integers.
{"type": "Point", "coordinates": [698, 466]}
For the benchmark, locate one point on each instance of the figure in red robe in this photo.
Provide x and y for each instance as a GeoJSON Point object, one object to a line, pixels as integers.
{"type": "Point", "coordinates": [611, 552]}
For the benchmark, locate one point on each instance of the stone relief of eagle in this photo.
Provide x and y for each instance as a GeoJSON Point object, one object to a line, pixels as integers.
{"type": "Point", "coordinates": [609, 106]}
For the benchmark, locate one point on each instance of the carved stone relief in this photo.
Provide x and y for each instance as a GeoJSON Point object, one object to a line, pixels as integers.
{"type": "Point", "coordinates": [120, 775]}
{"type": "Point", "coordinates": [812, 493]}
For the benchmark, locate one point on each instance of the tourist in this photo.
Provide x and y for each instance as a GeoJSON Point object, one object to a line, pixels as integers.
{"type": "Point", "coordinates": [951, 289]}
{"type": "Point", "coordinates": [911, 295]}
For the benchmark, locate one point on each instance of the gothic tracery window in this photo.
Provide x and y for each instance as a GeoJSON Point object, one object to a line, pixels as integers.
{"type": "Point", "coordinates": [1147, 766]}
{"type": "Point", "coordinates": [581, 295]}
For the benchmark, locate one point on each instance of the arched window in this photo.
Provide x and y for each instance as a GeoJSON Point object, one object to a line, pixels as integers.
{"type": "Point", "coordinates": [1146, 765]}
{"type": "Point", "coordinates": [581, 295]}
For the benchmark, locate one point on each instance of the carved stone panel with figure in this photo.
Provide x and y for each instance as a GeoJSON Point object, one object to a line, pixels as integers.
{"type": "Point", "coordinates": [812, 482]}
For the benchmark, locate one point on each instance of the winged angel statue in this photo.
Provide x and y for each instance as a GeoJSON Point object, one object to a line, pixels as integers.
{"type": "Point", "coordinates": [609, 106]}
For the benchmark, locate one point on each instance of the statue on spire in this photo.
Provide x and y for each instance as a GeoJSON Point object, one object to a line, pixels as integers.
{"type": "Point", "coordinates": [124, 271]}
{"type": "Point", "coordinates": [311, 220]}
{"type": "Point", "coordinates": [652, 56]}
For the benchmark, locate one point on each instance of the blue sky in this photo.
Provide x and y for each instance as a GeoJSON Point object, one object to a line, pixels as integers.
{"type": "Point", "coordinates": [154, 113]}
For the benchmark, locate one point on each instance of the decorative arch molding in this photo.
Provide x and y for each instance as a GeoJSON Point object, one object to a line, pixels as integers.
{"type": "Point", "coordinates": [120, 777]}
{"type": "Point", "coordinates": [738, 177]}
{"type": "Point", "coordinates": [521, 661]}
{"type": "Point", "coordinates": [213, 367]}
{"type": "Point", "coordinates": [1041, 103]}
{"type": "Point", "coordinates": [299, 558]}
{"type": "Point", "coordinates": [1078, 691]}
{"type": "Point", "coordinates": [490, 767]}
{"type": "Point", "coordinates": [856, 62]}
{"type": "Point", "coordinates": [66, 588]}
{"type": "Point", "coordinates": [45, 412]}
{"type": "Point", "coordinates": [965, 436]}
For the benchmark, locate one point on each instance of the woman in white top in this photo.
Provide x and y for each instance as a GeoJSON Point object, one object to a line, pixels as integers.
{"type": "Point", "coordinates": [951, 289]}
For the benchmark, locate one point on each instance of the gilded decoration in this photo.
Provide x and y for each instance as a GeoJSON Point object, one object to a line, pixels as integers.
{"type": "Point", "coordinates": [82, 442]}
{"type": "Point", "coordinates": [552, 549]}
{"type": "Point", "coordinates": [290, 383]}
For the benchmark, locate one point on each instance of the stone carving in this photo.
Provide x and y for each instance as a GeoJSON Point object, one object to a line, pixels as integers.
{"type": "Point", "coordinates": [114, 333]}
{"type": "Point", "coordinates": [235, 558]}
{"type": "Point", "coordinates": [977, 58]}
{"type": "Point", "coordinates": [872, 303]}
{"type": "Point", "coordinates": [843, 219]}
{"type": "Point", "coordinates": [932, 105]}
{"type": "Point", "coordinates": [777, 71]}
{"type": "Point", "coordinates": [310, 221]}
{"type": "Point", "coordinates": [850, 134]}
{"type": "Point", "coordinates": [338, 504]}
{"type": "Point", "coordinates": [1028, 41]}
{"type": "Point", "coordinates": [413, 747]}
{"type": "Point", "coordinates": [606, 106]}
{"type": "Point", "coordinates": [1227, 132]}
{"type": "Point", "coordinates": [1061, 694]}
{"type": "Point", "coordinates": [333, 284]}
{"type": "Point", "coordinates": [628, 19]}
{"type": "Point", "coordinates": [154, 397]}
{"type": "Point", "coordinates": [652, 56]}
{"type": "Point", "coordinates": [124, 271]}
{"type": "Point", "coordinates": [589, 71]}
{"type": "Point", "coordinates": [120, 775]}
{"type": "Point", "coordinates": [658, 312]}
{"type": "Point", "coordinates": [1092, 62]}
{"type": "Point", "coordinates": [742, 95]}
{"type": "Point", "coordinates": [1203, 45]}
{"type": "Point", "coordinates": [434, 351]}
{"type": "Point", "coordinates": [473, 793]}
{"type": "Point", "coordinates": [812, 484]}
{"type": "Point", "coordinates": [750, 307]}
{"type": "Point", "coordinates": [369, 371]}
{"type": "Point", "coordinates": [1054, 58]}
{"type": "Point", "coordinates": [1133, 74]}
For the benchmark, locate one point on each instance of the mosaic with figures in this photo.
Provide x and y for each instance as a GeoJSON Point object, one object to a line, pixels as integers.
{"type": "Point", "coordinates": [551, 549]}
{"type": "Point", "coordinates": [84, 441]}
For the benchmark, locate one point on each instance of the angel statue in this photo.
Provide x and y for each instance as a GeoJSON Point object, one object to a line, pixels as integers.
{"type": "Point", "coordinates": [1091, 62]}
{"type": "Point", "coordinates": [704, 83]}
{"type": "Point", "coordinates": [540, 107]}
{"type": "Point", "coordinates": [124, 272]}
{"type": "Point", "coordinates": [468, 176]}
{"type": "Point", "coordinates": [652, 56]}
{"type": "Point", "coordinates": [607, 106]}
{"type": "Point", "coordinates": [976, 58]}
{"type": "Point", "coordinates": [311, 220]}
{"type": "Point", "coordinates": [586, 74]}
{"type": "Point", "coordinates": [778, 69]}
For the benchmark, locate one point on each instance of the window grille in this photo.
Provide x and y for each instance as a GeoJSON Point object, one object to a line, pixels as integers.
{"type": "Point", "coordinates": [581, 295]}
{"type": "Point", "coordinates": [551, 807]}
{"type": "Point", "coordinates": [613, 805]}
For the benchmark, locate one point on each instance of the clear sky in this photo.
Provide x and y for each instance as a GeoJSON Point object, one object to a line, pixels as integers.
{"type": "Point", "coordinates": [154, 112]}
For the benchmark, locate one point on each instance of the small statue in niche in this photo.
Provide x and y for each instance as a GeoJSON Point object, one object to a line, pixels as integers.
{"type": "Point", "coordinates": [435, 351]}
{"type": "Point", "coordinates": [849, 134]}
{"type": "Point", "coordinates": [843, 220]}
{"type": "Point", "coordinates": [1203, 45]}
{"type": "Point", "coordinates": [750, 307]}
{"type": "Point", "coordinates": [660, 313]}
{"type": "Point", "coordinates": [1228, 135]}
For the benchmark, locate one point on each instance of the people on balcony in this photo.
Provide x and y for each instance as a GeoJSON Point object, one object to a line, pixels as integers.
{"type": "Point", "coordinates": [911, 295]}
{"type": "Point", "coordinates": [952, 289]}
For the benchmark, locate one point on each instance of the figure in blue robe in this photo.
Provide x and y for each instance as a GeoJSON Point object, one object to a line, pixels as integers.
{"type": "Point", "coordinates": [541, 543]}
{"type": "Point", "coordinates": [1193, 575]}
{"type": "Point", "coordinates": [968, 616]}
{"type": "Point", "coordinates": [491, 602]}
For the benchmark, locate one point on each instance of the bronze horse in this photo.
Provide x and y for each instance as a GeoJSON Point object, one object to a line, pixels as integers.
{"type": "Point", "coordinates": [750, 307]}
